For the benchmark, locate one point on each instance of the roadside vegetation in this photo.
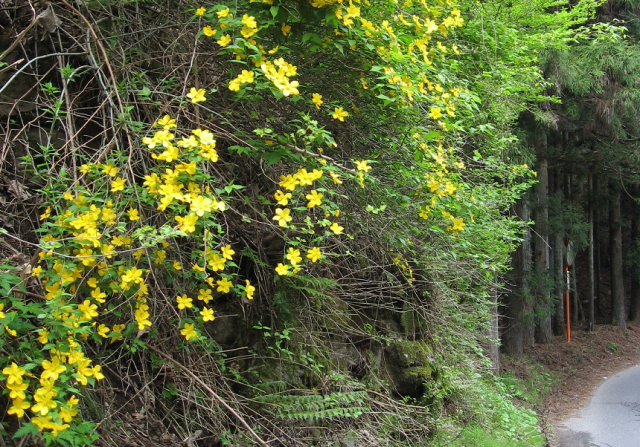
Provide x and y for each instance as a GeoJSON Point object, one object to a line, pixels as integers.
{"type": "Point", "coordinates": [282, 222]}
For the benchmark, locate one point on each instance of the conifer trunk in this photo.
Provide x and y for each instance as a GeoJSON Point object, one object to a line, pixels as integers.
{"type": "Point", "coordinates": [559, 278]}
{"type": "Point", "coordinates": [591, 318]}
{"type": "Point", "coordinates": [618, 316]}
{"type": "Point", "coordinates": [544, 333]}
{"type": "Point", "coordinates": [634, 309]}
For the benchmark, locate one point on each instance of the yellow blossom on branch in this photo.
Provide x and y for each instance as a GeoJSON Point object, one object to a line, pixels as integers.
{"type": "Point", "coordinates": [361, 165]}
{"type": "Point", "coordinates": [339, 114]}
{"type": "Point", "coordinates": [316, 99]}
{"type": "Point", "coordinates": [282, 269]}
{"type": "Point", "coordinates": [314, 254]}
{"type": "Point", "coordinates": [337, 229]}
{"type": "Point", "coordinates": [200, 11]}
{"type": "Point", "coordinates": [224, 285]}
{"type": "Point", "coordinates": [188, 331]}
{"type": "Point", "coordinates": [314, 198]}
{"type": "Point", "coordinates": [196, 95]}
{"type": "Point", "coordinates": [184, 302]}
{"type": "Point", "coordinates": [283, 216]}
{"type": "Point", "coordinates": [207, 314]}
{"type": "Point", "coordinates": [249, 289]}
{"type": "Point", "coordinates": [293, 255]}
{"type": "Point", "coordinates": [282, 198]}
{"type": "Point", "coordinates": [224, 40]}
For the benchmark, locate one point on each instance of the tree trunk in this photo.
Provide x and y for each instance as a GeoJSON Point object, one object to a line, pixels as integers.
{"type": "Point", "coordinates": [544, 333]}
{"type": "Point", "coordinates": [634, 309]}
{"type": "Point", "coordinates": [528, 323]}
{"type": "Point", "coordinates": [559, 278]}
{"type": "Point", "coordinates": [618, 316]}
{"type": "Point", "coordinates": [513, 327]}
{"type": "Point", "coordinates": [591, 319]}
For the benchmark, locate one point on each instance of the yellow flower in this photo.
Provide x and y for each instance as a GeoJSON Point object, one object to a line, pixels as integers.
{"type": "Point", "coordinates": [88, 309]}
{"type": "Point", "coordinates": [43, 336]}
{"type": "Point", "coordinates": [18, 407]}
{"type": "Point", "coordinates": [282, 269]}
{"type": "Point", "coordinates": [283, 216]}
{"type": "Point", "coordinates": [339, 114]}
{"type": "Point", "coordinates": [222, 14]}
{"type": "Point", "coordinates": [286, 29]}
{"type": "Point", "coordinates": [314, 198]}
{"type": "Point", "coordinates": [14, 373]}
{"type": "Point", "coordinates": [187, 223]}
{"type": "Point", "coordinates": [188, 331]}
{"type": "Point", "coordinates": [10, 331]}
{"type": "Point", "coordinates": [337, 229]}
{"type": "Point", "coordinates": [46, 214]}
{"type": "Point", "coordinates": [205, 295]}
{"type": "Point", "coordinates": [166, 122]}
{"type": "Point", "coordinates": [317, 100]}
{"type": "Point", "coordinates": [207, 314]}
{"type": "Point", "coordinates": [249, 21]}
{"type": "Point", "coordinates": [361, 165]}
{"type": "Point", "coordinates": [227, 252]}
{"type": "Point", "coordinates": [200, 11]}
{"type": "Point", "coordinates": [133, 214]}
{"type": "Point", "coordinates": [249, 289]}
{"type": "Point", "coordinates": [110, 170]}
{"type": "Point", "coordinates": [215, 262]}
{"type": "Point", "coordinates": [18, 390]}
{"type": "Point", "coordinates": [458, 224]}
{"type": "Point", "coordinates": [118, 184]}
{"type": "Point", "coordinates": [314, 254]}
{"type": "Point", "coordinates": [224, 40]}
{"type": "Point", "coordinates": [184, 302]}
{"type": "Point", "coordinates": [177, 265]}
{"type": "Point", "coordinates": [201, 205]}
{"type": "Point", "coordinates": [293, 255]}
{"type": "Point", "coordinates": [224, 285]}
{"type": "Point", "coordinates": [336, 178]}
{"type": "Point", "coordinates": [98, 295]}
{"type": "Point", "coordinates": [196, 95]}
{"type": "Point", "coordinates": [103, 330]}
{"type": "Point", "coordinates": [289, 182]}
{"type": "Point", "coordinates": [2, 315]}
{"type": "Point", "coordinates": [282, 198]}
{"type": "Point", "coordinates": [435, 113]}
{"type": "Point", "coordinates": [52, 369]}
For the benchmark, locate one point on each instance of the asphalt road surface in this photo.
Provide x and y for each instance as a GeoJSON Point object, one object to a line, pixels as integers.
{"type": "Point", "coordinates": [611, 418]}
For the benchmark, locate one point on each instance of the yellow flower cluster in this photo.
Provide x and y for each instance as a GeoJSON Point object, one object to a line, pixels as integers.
{"type": "Point", "coordinates": [51, 413]}
{"type": "Point", "coordinates": [279, 72]}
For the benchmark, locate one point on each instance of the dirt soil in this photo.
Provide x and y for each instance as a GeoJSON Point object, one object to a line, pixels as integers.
{"type": "Point", "coordinates": [580, 366]}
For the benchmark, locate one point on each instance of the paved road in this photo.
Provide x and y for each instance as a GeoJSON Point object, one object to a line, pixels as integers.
{"type": "Point", "coordinates": [611, 418]}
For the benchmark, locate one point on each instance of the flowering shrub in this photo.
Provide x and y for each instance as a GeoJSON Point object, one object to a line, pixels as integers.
{"type": "Point", "coordinates": [117, 240]}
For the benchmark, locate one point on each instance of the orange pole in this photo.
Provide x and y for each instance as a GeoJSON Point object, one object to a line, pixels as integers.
{"type": "Point", "coordinates": [566, 305]}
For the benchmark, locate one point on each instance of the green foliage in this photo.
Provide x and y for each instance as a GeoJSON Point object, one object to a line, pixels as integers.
{"type": "Point", "coordinates": [316, 408]}
{"type": "Point", "coordinates": [340, 169]}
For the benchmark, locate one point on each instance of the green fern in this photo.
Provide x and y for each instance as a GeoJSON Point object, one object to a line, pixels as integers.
{"type": "Point", "coordinates": [316, 407]}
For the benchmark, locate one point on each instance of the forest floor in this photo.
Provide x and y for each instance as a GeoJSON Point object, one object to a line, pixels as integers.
{"type": "Point", "coordinates": [577, 368]}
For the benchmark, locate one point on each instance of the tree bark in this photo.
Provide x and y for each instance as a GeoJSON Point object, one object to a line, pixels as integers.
{"type": "Point", "coordinates": [618, 315]}
{"type": "Point", "coordinates": [544, 333]}
{"type": "Point", "coordinates": [634, 309]}
{"type": "Point", "coordinates": [591, 318]}
{"type": "Point", "coordinates": [513, 327]}
{"type": "Point", "coordinates": [559, 278]}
